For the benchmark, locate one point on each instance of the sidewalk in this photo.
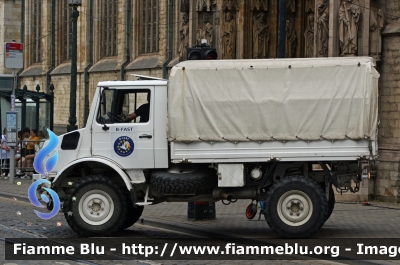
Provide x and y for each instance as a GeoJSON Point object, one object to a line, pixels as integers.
{"type": "Point", "coordinates": [349, 220]}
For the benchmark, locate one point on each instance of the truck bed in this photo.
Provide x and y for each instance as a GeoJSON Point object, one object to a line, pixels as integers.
{"type": "Point", "coordinates": [230, 152]}
{"type": "Point", "coordinates": [285, 99]}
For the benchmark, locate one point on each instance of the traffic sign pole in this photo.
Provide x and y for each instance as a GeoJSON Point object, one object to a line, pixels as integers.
{"type": "Point", "coordinates": [13, 58]}
{"type": "Point", "coordinates": [11, 171]}
{"type": "Point", "coordinates": [13, 92]}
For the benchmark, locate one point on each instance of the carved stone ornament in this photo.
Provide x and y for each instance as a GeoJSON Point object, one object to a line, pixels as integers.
{"type": "Point", "coordinates": [309, 36]}
{"type": "Point", "coordinates": [184, 37]}
{"type": "Point", "coordinates": [185, 6]}
{"type": "Point", "coordinates": [259, 5]}
{"type": "Point", "coordinates": [260, 37]}
{"type": "Point", "coordinates": [376, 24]}
{"type": "Point", "coordinates": [291, 40]}
{"type": "Point", "coordinates": [323, 28]}
{"type": "Point", "coordinates": [205, 5]}
{"type": "Point", "coordinates": [228, 37]}
{"type": "Point", "coordinates": [205, 31]}
{"type": "Point", "coordinates": [310, 5]}
{"type": "Point", "coordinates": [291, 6]}
{"type": "Point", "coordinates": [230, 5]}
{"type": "Point", "coordinates": [349, 17]}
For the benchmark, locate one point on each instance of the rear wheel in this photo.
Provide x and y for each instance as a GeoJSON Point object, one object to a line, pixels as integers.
{"type": "Point", "coordinates": [295, 207]}
{"type": "Point", "coordinates": [95, 206]}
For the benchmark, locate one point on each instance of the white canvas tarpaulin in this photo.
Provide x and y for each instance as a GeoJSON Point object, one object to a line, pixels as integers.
{"type": "Point", "coordinates": [266, 100]}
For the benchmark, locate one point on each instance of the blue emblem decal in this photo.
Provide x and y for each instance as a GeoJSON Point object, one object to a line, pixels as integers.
{"type": "Point", "coordinates": [124, 146]}
{"type": "Point", "coordinates": [32, 197]}
{"type": "Point", "coordinates": [44, 162]}
{"type": "Point", "coordinates": [47, 152]}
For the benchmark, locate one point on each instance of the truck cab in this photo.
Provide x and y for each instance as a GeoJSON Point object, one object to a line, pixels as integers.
{"type": "Point", "coordinates": [130, 145]}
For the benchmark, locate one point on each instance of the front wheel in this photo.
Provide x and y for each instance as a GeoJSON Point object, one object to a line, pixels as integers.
{"type": "Point", "coordinates": [133, 215]}
{"type": "Point", "coordinates": [295, 207]}
{"type": "Point", "coordinates": [95, 206]}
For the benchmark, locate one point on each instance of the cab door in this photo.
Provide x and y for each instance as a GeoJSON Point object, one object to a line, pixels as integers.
{"type": "Point", "coordinates": [130, 144]}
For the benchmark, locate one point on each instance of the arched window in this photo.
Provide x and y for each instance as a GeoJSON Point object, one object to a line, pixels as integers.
{"type": "Point", "coordinates": [36, 33]}
{"type": "Point", "coordinates": [64, 29]}
{"type": "Point", "coordinates": [149, 25]}
{"type": "Point", "coordinates": [108, 27]}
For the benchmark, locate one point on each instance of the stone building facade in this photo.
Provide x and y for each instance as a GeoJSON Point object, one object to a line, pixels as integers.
{"type": "Point", "coordinates": [10, 17]}
{"type": "Point", "coordinates": [118, 38]}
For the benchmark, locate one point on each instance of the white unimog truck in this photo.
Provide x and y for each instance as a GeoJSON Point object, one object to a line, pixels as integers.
{"type": "Point", "coordinates": [286, 132]}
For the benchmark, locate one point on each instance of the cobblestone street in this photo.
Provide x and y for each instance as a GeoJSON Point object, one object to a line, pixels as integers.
{"type": "Point", "coordinates": [168, 220]}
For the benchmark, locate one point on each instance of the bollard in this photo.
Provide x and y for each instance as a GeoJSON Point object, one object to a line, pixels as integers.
{"type": "Point", "coordinates": [201, 211]}
{"type": "Point", "coordinates": [190, 212]}
{"type": "Point", "coordinates": [210, 212]}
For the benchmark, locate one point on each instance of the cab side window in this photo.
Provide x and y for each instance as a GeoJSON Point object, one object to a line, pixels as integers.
{"type": "Point", "coordinates": [124, 106]}
{"type": "Point", "coordinates": [137, 102]}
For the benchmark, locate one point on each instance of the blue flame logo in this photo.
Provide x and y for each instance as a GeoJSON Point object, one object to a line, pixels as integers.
{"type": "Point", "coordinates": [43, 153]}
{"type": "Point", "coordinates": [50, 163]}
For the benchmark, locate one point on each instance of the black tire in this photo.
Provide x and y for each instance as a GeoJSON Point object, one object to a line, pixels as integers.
{"type": "Point", "coordinates": [295, 207]}
{"type": "Point", "coordinates": [107, 210]}
{"type": "Point", "coordinates": [133, 215]}
{"type": "Point", "coordinates": [331, 203]}
{"type": "Point", "coordinates": [195, 182]}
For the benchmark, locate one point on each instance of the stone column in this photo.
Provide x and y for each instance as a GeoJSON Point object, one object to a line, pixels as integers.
{"type": "Point", "coordinates": [387, 186]}
{"type": "Point", "coordinates": [363, 39]}
{"type": "Point", "coordinates": [272, 20]}
{"type": "Point", "coordinates": [193, 19]}
{"type": "Point", "coordinates": [300, 17]}
{"type": "Point", "coordinates": [316, 15]}
{"type": "Point", "coordinates": [28, 35]}
{"type": "Point", "coordinates": [240, 18]}
{"type": "Point", "coordinates": [46, 42]}
{"type": "Point", "coordinates": [333, 46]}
{"type": "Point", "coordinates": [163, 31]}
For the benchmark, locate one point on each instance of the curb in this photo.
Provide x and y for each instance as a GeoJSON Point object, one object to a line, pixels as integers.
{"type": "Point", "coordinates": [11, 196]}
{"type": "Point", "coordinates": [183, 228]}
{"type": "Point", "coordinates": [373, 204]}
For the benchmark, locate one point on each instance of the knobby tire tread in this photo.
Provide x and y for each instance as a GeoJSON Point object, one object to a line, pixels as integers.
{"type": "Point", "coordinates": [89, 180]}
{"type": "Point", "coordinates": [284, 183]}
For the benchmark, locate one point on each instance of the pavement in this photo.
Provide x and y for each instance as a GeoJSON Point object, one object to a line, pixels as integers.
{"type": "Point", "coordinates": [349, 220]}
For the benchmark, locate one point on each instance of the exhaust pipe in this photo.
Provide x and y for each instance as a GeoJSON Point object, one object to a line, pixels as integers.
{"type": "Point", "coordinates": [235, 193]}
{"type": "Point", "coordinates": [225, 196]}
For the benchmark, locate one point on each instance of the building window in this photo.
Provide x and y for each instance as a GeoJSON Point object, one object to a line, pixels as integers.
{"type": "Point", "coordinates": [108, 28]}
{"type": "Point", "coordinates": [64, 29]}
{"type": "Point", "coordinates": [149, 25]}
{"type": "Point", "coordinates": [36, 31]}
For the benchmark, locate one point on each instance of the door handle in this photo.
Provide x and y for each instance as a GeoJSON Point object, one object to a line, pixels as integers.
{"type": "Point", "coordinates": [145, 136]}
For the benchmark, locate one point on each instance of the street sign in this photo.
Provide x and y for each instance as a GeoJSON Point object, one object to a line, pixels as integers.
{"type": "Point", "coordinates": [11, 125]}
{"type": "Point", "coordinates": [13, 55]}
{"type": "Point", "coordinates": [6, 82]}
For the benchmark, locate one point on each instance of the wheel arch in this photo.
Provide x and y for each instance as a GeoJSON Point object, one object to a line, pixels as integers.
{"type": "Point", "coordinates": [99, 164]}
